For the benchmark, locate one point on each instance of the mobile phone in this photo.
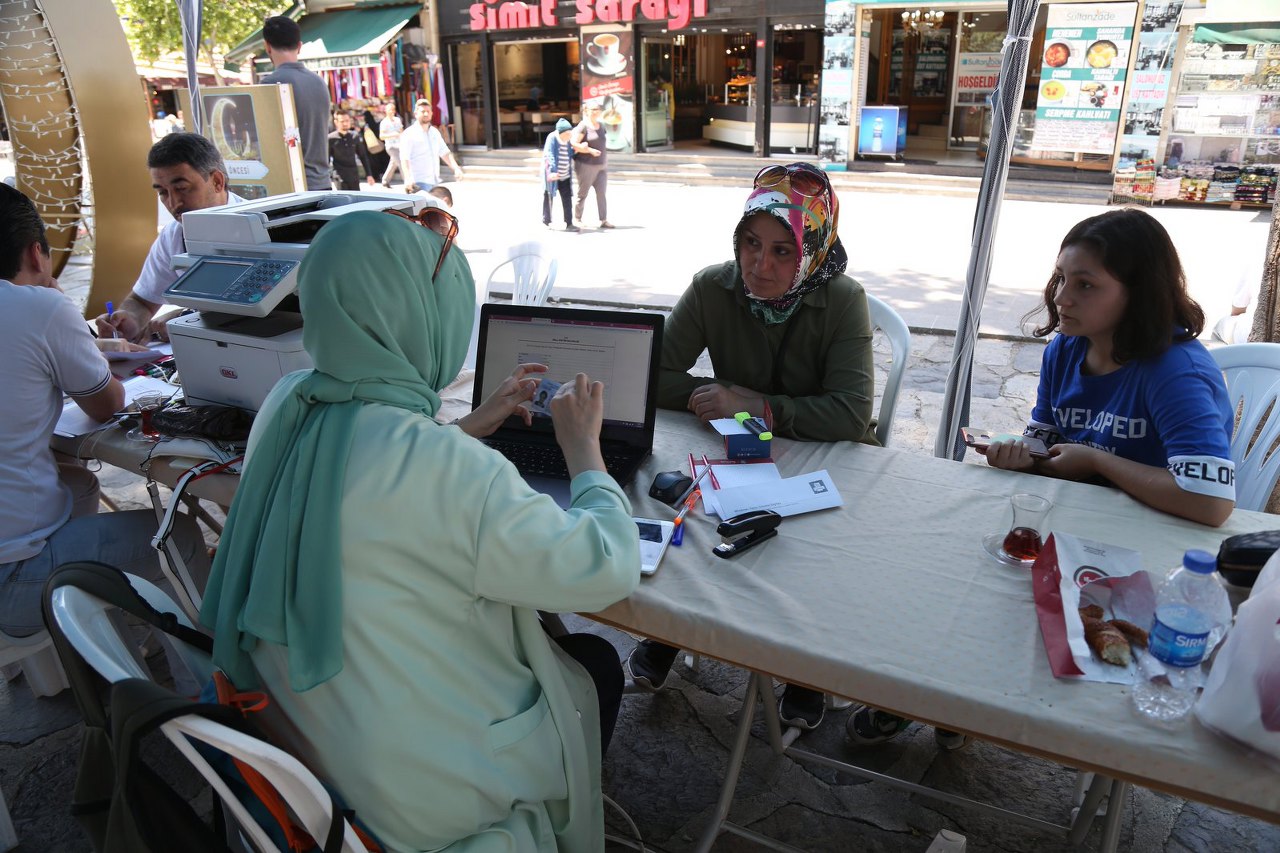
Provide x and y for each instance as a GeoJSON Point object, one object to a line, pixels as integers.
{"type": "Point", "coordinates": [655, 535]}
{"type": "Point", "coordinates": [981, 439]}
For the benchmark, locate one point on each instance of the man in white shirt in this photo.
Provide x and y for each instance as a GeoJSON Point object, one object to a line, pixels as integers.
{"type": "Point", "coordinates": [421, 150]}
{"type": "Point", "coordinates": [188, 174]}
{"type": "Point", "coordinates": [48, 505]}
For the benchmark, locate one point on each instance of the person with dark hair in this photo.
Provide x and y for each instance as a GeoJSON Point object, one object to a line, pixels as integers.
{"type": "Point", "coordinates": [188, 174]}
{"type": "Point", "coordinates": [1128, 397]}
{"type": "Point", "coordinates": [790, 340]}
{"type": "Point", "coordinates": [48, 505]}
{"type": "Point", "coordinates": [283, 40]}
{"type": "Point", "coordinates": [348, 153]}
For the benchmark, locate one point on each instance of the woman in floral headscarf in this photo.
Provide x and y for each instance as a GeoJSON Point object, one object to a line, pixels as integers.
{"type": "Point", "coordinates": [790, 340]}
{"type": "Point", "coordinates": [789, 333]}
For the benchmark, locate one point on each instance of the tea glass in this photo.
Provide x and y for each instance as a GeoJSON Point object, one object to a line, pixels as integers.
{"type": "Point", "coordinates": [1020, 544]}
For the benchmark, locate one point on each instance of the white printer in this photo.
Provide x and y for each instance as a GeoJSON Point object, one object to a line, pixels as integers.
{"type": "Point", "coordinates": [241, 272]}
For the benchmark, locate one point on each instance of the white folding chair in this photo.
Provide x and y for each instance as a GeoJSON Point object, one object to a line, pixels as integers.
{"type": "Point", "coordinates": [895, 330]}
{"type": "Point", "coordinates": [38, 660]}
{"type": "Point", "coordinates": [1252, 372]}
{"type": "Point", "coordinates": [98, 634]}
{"type": "Point", "coordinates": [530, 273]}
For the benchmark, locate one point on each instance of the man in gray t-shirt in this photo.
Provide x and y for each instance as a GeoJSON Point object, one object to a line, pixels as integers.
{"type": "Point", "coordinates": [283, 38]}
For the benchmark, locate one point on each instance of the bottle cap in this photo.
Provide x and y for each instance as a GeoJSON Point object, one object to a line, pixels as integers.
{"type": "Point", "coordinates": [1201, 562]}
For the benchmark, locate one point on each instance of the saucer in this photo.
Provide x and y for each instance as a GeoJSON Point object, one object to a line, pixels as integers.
{"type": "Point", "coordinates": [596, 67]}
{"type": "Point", "coordinates": [993, 544]}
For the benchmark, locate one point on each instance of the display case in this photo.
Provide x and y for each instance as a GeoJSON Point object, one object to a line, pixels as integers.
{"type": "Point", "coordinates": [740, 94]}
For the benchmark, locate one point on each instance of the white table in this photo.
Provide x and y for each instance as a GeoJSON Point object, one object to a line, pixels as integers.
{"type": "Point", "coordinates": [892, 601]}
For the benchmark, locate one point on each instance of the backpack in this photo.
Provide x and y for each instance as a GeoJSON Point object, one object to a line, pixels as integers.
{"type": "Point", "coordinates": [119, 800]}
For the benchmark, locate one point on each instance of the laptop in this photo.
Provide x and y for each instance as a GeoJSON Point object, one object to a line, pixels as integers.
{"type": "Point", "coordinates": [619, 348]}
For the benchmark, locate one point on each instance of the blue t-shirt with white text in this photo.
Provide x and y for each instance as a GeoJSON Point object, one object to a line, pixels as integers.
{"type": "Point", "coordinates": [1170, 411]}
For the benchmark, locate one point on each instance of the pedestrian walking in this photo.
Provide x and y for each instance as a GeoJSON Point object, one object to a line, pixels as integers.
{"type": "Point", "coordinates": [557, 172]}
{"type": "Point", "coordinates": [590, 161]}
{"type": "Point", "coordinates": [282, 39]}
{"type": "Point", "coordinates": [348, 153]}
{"type": "Point", "coordinates": [390, 131]}
{"type": "Point", "coordinates": [421, 149]}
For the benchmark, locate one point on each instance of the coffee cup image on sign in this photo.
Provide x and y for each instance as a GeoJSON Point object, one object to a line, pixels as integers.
{"type": "Point", "coordinates": [604, 49]}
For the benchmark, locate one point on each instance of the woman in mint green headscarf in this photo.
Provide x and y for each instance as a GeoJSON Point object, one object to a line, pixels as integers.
{"type": "Point", "coordinates": [380, 573]}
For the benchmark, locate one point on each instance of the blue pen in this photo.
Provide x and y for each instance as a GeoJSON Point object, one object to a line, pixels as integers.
{"type": "Point", "coordinates": [111, 310]}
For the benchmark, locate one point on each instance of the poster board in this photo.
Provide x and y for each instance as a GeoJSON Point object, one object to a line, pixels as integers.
{"type": "Point", "coordinates": [608, 77]}
{"type": "Point", "coordinates": [255, 128]}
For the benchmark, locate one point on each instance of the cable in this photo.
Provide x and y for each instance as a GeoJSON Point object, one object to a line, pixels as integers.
{"type": "Point", "coordinates": [638, 844]}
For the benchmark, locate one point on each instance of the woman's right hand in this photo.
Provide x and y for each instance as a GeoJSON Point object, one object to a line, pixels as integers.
{"type": "Point", "coordinates": [1011, 456]}
{"type": "Point", "coordinates": [577, 411]}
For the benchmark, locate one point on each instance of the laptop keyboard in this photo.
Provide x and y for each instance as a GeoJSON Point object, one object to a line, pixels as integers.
{"type": "Point", "coordinates": [546, 460]}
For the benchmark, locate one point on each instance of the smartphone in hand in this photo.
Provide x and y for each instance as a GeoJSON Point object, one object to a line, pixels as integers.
{"type": "Point", "coordinates": [981, 439]}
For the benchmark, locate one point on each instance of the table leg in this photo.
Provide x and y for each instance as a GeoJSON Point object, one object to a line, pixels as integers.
{"type": "Point", "coordinates": [734, 769]}
{"type": "Point", "coordinates": [1088, 809]}
{"type": "Point", "coordinates": [1115, 810]}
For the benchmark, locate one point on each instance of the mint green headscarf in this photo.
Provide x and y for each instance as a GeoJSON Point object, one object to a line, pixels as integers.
{"type": "Point", "coordinates": [379, 332]}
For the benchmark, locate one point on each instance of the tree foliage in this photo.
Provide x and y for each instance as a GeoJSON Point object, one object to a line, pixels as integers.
{"type": "Point", "coordinates": [155, 29]}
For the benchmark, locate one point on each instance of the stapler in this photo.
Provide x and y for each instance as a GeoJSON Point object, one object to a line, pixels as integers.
{"type": "Point", "coordinates": [743, 531]}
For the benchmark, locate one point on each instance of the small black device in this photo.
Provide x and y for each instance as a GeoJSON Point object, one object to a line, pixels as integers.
{"type": "Point", "coordinates": [668, 486]}
{"type": "Point", "coordinates": [744, 531]}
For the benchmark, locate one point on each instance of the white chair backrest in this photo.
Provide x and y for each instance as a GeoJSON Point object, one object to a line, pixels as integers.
{"type": "Point", "coordinates": [895, 330]}
{"type": "Point", "coordinates": [1252, 372]}
{"type": "Point", "coordinates": [297, 786]}
{"type": "Point", "coordinates": [531, 274]}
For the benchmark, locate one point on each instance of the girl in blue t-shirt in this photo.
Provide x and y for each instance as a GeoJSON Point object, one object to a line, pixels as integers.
{"type": "Point", "coordinates": [1127, 394]}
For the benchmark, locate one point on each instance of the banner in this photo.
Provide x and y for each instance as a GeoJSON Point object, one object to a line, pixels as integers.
{"type": "Point", "coordinates": [839, 50]}
{"type": "Point", "coordinates": [608, 76]}
{"type": "Point", "coordinates": [1082, 77]}
{"type": "Point", "coordinates": [255, 130]}
{"type": "Point", "coordinates": [1149, 89]}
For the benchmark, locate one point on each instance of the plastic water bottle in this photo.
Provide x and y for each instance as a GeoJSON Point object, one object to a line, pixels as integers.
{"type": "Point", "coordinates": [1192, 615]}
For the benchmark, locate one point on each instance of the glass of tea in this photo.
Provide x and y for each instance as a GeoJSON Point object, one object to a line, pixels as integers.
{"type": "Point", "coordinates": [1020, 545]}
{"type": "Point", "coordinates": [147, 404]}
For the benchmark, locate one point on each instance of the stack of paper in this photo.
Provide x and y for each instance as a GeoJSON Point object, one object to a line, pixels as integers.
{"type": "Point", "coordinates": [749, 486]}
{"type": "Point", "coordinates": [75, 422]}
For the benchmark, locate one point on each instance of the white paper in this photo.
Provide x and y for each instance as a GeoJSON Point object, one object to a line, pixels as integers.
{"type": "Point", "coordinates": [730, 475]}
{"type": "Point", "coordinates": [154, 350]}
{"type": "Point", "coordinates": [75, 422]}
{"type": "Point", "coordinates": [729, 426]}
{"type": "Point", "coordinates": [792, 496]}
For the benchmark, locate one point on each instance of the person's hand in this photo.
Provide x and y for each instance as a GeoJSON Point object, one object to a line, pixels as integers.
{"type": "Point", "coordinates": [594, 152]}
{"type": "Point", "coordinates": [717, 401]}
{"type": "Point", "coordinates": [1071, 462]}
{"type": "Point", "coordinates": [506, 400]}
{"type": "Point", "coordinates": [121, 324]}
{"type": "Point", "coordinates": [369, 179]}
{"type": "Point", "coordinates": [577, 410]}
{"type": "Point", "coordinates": [118, 345]}
{"type": "Point", "coordinates": [457, 172]}
{"type": "Point", "coordinates": [1009, 455]}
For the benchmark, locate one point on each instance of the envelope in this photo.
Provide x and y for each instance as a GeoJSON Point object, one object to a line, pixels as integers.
{"type": "Point", "coordinates": [792, 496]}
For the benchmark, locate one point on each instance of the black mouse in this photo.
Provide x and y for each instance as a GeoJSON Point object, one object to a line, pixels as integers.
{"type": "Point", "coordinates": [668, 486]}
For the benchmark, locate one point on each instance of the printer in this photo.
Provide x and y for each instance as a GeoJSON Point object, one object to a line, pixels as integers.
{"type": "Point", "coordinates": [240, 274]}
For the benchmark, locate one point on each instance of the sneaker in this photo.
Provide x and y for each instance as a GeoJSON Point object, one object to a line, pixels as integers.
{"type": "Point", "coordinates": [572, 227]}
{"type": "Point", "coordinates": [650, 664]}
{"type": "Point", "coordinates": [607, 224]}
{"type": "Point", "coordinates": [801, 707]}
{"type": "Point", "coordinates": [869, 726]}
{"type": "Point", "coordinates": [949, 740]}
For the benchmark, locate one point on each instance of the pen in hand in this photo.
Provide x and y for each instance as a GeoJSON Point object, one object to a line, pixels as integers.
{"type": "Point", "coordinates": [110, 312]}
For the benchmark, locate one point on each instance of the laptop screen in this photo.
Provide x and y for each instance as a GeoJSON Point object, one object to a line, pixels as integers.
{"type": "Point", "coordinates": [617, 348]}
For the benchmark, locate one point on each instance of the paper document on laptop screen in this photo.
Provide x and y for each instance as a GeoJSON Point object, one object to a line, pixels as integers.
{"type": "Point", "coordinates": [614, 354]}
{"type": "Point", "coordinates": [792, 496]}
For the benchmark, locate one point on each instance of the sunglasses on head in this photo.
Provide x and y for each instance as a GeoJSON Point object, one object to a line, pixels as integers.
{"type": "Point", "coordinates": [805, 179]}
{"type": "Point", "coordinates": [440, 221]}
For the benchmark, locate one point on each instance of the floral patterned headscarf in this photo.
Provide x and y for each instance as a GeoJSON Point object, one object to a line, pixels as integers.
{"type": "Point", "coordinates": [812, 221]}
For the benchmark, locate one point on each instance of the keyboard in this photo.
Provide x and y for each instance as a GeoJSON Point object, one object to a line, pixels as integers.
{"type": "Point", "coordinates": [546, 460]}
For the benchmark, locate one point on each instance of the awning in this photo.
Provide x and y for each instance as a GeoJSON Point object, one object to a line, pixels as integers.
{"type": "Point", "coordinates": [349, 38]}
{"type": "Point", "coordinates": [1243, 33]}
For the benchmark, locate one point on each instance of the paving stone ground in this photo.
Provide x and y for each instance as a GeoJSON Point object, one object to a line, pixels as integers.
{"type": "Point", "coordinates": [670, 749]}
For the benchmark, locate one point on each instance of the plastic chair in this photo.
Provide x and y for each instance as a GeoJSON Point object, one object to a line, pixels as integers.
{"type": "Point", "coordinates": [1252, 372]}
{"type": "Point", "coordinates": [38, 660]}
{"type": "Point", "coordinates": [895, 329]}
{"type": "Point", "coordinates": [529, 271]}
{"type": "Point", "coordinates": [94, 629]}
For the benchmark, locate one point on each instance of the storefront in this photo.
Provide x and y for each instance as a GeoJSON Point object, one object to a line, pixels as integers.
{"type": "Point", "coordinates": [669, 72]}
{"type": "Point", "coordinates": [367, 55]}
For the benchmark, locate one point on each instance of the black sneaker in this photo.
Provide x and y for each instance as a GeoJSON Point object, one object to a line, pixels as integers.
{"type": "Point", "coordinates": [802, 707]}
{"type": "Point", "coordinates": [650, 664]}
{"type": "Point", "coordinates": [869, 726]}
{"type": "Point", "coordinates": [572, 227]}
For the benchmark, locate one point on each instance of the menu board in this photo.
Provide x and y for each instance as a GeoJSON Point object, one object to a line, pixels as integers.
{"type": "Point", "coordinates": [1082, 77]}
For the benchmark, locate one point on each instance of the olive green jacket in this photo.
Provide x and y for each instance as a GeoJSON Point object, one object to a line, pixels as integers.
{"type": "Point", "coordinates": [826, 379]}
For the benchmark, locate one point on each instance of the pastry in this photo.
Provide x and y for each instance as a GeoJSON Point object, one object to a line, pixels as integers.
{"type": "Point", "coordinates": [1107, 642]}
{"type": "Point", "coordinates": [1132, 632]}
{"type": "Point", "coordinates": [1092, 611]}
